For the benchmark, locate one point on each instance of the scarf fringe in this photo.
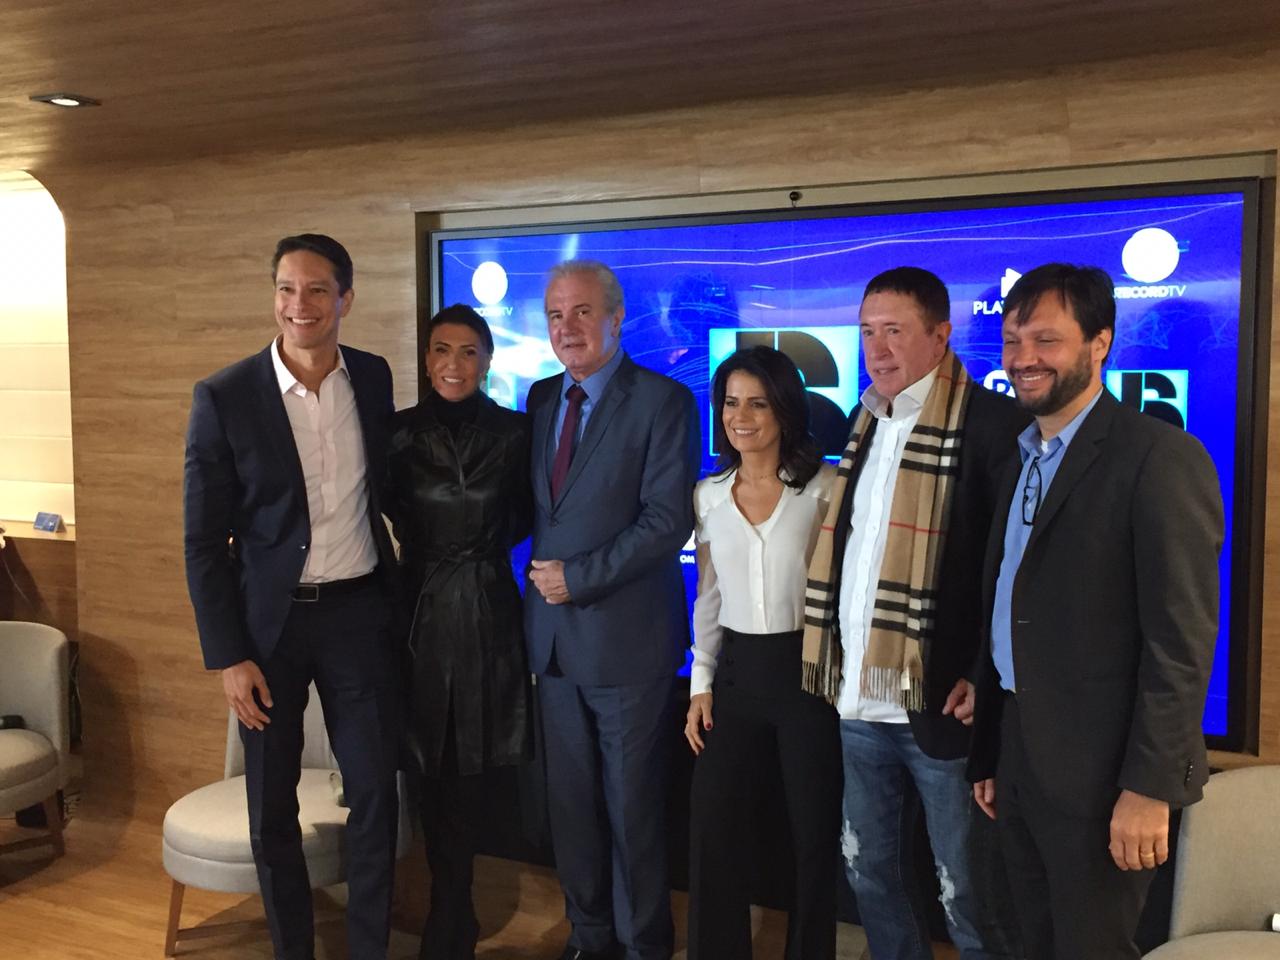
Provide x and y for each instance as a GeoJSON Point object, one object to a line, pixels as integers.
{"type": "Point", "coordinates": [822, 678]}
{"type": "Point", "coordinates": [884, 684]}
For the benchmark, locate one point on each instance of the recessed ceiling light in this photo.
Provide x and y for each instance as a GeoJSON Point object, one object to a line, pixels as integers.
{"type": "Point", "coordinates": [66, 100]}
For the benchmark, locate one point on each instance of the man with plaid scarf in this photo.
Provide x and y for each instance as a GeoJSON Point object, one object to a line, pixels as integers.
{"type": "Point", "coordinates": [893, 612]}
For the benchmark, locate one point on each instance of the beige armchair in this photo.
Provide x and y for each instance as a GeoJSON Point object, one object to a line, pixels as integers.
{"type": "Point", "coordinates": [1226, 884]}
{"type": "Point", "coordinates": [34, 683]}
{"type": "Point", "coordinates": [206, 833]}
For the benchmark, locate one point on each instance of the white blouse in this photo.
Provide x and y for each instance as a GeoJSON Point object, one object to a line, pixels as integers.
{"type": "Point", "coordinates": [751, 578]}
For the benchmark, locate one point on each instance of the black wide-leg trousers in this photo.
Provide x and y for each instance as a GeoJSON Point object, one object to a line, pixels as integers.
{"type": "Point", "coordinates": [763, 724]}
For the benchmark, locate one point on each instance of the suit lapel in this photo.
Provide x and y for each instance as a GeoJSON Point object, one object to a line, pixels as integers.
{"type": "Point", "coordinates": [1079, 456]}
{"type": "Point", "coordinates": [363, 404]}
{"type": "Point", "coordinates": [271, 406]}
{"type": "Point", "coordinates": [999, 523]}
{"type": "Point", "coordinates": [368, 430]}
{"type": "Point", "coordinates": [362, 401]}
{"type": "Point", "coordinates": [614, 395]}
{"type": "Point", "coordinates": [543, 424]}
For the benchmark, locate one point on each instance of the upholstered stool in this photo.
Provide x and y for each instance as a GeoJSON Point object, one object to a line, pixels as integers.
{"type": "Point", "coordinates": [1238, 945]}
{"type": "Point", "coordinates": [206, 833]}
{"type": "Point", "coordinates": [34, 684]}
{"type": "Point", "coordinates": [1226, 882]}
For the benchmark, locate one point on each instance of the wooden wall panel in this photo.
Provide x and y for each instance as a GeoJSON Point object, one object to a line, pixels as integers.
{"type": "Point", "coordinates": [38, 581]}
{"type": "Point", "coordinates": [167, 278]}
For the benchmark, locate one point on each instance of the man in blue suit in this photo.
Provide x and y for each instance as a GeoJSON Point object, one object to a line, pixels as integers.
{"type": "Point", "coordinates": [615, 457]}
{"type": "Point", "coordinates": [288, 566]}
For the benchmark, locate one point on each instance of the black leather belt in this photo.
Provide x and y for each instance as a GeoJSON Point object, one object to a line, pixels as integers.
{"type": "Point", "coordinates": [314, 592]}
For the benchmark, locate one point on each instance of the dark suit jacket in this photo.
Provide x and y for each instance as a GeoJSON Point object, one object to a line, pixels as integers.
{"type": "Point", "coordinates": [243, 481]}
{"type": "Point", "coordinates": [992, 424]}
{"type": "Point", "coordinates": [625, 511]}
{"type": "Point", "coordinates": [1115, 614]}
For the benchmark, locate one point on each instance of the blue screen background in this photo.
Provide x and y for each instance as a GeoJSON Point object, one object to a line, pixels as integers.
{"type": "Point", "coordinates": [696, 290]}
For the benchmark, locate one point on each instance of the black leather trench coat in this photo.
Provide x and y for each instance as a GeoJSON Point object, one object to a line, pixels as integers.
{"type": "Point", "coordinates": [458, 504]}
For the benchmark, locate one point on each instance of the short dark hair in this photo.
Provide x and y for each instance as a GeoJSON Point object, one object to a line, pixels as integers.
{"type": "Point", "coordinates": [326, 247]}
{"type": "Point", "coordinates": [1088, 291]}
{"type": "Point", "coordinates": [798, 455]}
{"type": "Point", "coordinates": [462, 315]}
{"type": "Point", "coordinates": [921, 285]}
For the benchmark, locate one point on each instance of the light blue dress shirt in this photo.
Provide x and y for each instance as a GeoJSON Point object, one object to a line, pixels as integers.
{"type": "Point", "coordinates": [594, 386]}
{"type": "Point", "coordinates": [1048, 456]}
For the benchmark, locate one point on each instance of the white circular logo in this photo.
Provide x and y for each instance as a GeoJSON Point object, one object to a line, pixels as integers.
{"type": "Point", "coordinates": [489, 283]}
{"type": "Point", "coordinates": [1150, 255]}
{"type": "Point", "coordinates": [998, 381]}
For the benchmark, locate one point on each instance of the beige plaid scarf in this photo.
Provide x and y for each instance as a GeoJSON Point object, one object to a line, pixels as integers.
{"type": "Point", "coordinates": [902, 619]}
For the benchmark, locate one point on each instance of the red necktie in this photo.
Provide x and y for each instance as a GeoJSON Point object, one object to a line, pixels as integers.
{"type": "Point", "coordinates": [568, 431]}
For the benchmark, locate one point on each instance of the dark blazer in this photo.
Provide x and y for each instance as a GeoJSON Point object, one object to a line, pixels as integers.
{"type": "Point", "coordinates": [245, 501]}
{"type": "Point", "coordinates": [1115, 614]}
{"type": "Point", "coordinates": [625, 511]}
{"type": "Point", "coordinates": [991, 427]}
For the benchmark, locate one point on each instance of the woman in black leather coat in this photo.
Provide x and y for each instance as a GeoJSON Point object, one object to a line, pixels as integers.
{"type": "Point", "coordinates": [459, 499]}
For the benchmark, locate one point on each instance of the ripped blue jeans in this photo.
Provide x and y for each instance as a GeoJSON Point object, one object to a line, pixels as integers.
{"type": "Point", "coordinates": [878, 757]}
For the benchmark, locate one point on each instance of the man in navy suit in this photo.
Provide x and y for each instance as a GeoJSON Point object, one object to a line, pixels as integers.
{"type": "Point", "coordinates": [615, 457]}
{"type": "Point", "coordinates": [288, 566]}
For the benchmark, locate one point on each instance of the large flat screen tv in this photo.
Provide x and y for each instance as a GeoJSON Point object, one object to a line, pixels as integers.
{"type": "Point", "coordinates": [1183, 258]}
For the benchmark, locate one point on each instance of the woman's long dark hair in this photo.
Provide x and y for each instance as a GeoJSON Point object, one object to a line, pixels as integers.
{"type": "Point", "coordinates": [798, 455]}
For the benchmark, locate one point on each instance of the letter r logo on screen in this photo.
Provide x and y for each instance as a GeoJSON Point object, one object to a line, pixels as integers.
{"type": "Point", "coordinates": [827, 358]}
{"type": "Point", "coordinates": [1161, 393]}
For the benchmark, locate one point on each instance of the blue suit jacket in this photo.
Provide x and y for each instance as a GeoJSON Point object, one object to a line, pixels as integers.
{"type": "Point", "coordinates": [247, 526]}
{"type": "Point", "coordinates": [625, 511]}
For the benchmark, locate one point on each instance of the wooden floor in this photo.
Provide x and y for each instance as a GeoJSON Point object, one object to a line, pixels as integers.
{"type": "Point", "coordinates": [108, 899]}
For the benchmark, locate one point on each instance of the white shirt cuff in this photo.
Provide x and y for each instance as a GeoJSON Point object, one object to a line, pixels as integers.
{"type": "Point", "coordinates": [700, 677]}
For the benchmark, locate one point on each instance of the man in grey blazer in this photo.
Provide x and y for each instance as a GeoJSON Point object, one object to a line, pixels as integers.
{"type": "Point", "coordinates": [1102, 583]}
{"type": "Point", "coordinates": [615, 458]}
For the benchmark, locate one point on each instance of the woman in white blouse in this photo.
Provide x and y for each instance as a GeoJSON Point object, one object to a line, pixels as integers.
{"type": "Point", "coordinates": [757, 522]}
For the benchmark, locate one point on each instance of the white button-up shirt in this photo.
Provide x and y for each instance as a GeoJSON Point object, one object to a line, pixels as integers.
{"type": "Point", "coordinates": [864, 550]}
{"type": "Point", "coordinates": [326, 431]}
{"type": "Point", "coordinates": [752, 577]}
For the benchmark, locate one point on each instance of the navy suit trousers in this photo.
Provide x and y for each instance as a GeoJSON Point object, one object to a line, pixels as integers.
{"type": "Point", "coordinates": [343, 645]}
{"type": "Point", "coordinates": [608, 752]}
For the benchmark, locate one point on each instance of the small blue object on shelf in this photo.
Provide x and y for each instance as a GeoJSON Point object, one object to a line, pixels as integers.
{"type": "Point", "coordinates": [49, 522]}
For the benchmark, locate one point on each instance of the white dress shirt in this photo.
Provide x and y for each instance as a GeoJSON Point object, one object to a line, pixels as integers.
{"type": "Point", "coordinates": [864, 550]}
{"type": "Point", "coordinates": [752, 577]}
{"type": "Point", "coordinates": [326, 431]}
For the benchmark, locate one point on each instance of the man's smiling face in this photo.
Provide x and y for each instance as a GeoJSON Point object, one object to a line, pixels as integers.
{"type": "Point", "coordinates": [309, 306]}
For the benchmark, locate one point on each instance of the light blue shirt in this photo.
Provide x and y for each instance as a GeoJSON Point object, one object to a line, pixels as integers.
{"type": "Point", "coordinates": [1048, 456]}
{"type": "Point", "coordinates": [594, 386]}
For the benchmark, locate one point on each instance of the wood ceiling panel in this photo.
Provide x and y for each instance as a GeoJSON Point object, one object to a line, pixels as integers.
{"type": "Point", "coordinates": [182, 80]}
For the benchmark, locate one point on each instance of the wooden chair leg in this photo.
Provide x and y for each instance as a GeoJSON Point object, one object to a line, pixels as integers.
{"type": "Point", "coordinates": [53, 818]}
{"type": "Point", "coordinates": [175, 931]}
{"type": "Point", "coordinates": [175, 915]}
{"type": "Point", "coordinates": [53, 838]}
